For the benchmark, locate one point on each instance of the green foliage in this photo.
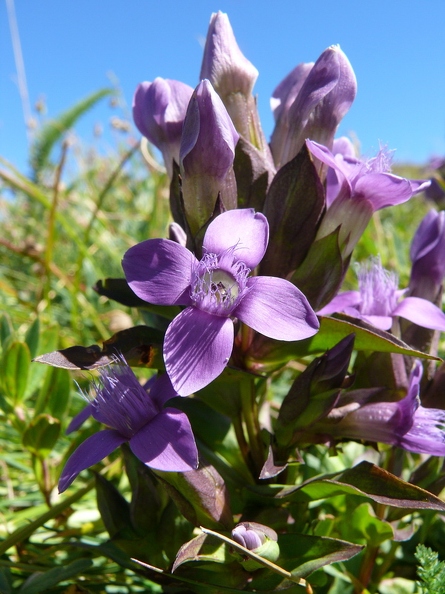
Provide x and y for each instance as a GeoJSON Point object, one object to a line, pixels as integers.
{"type": "Point", "coordinates": [431, 571]}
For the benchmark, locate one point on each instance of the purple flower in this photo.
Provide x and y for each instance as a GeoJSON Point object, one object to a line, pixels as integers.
{"type": "Point", "coordinates": [363, 187]}
{"type": "Point", "coordinates": [160, 437]}
{"type": "Point", "coordinates": [159, 109]}
{"type": "Point", "coordinates": [428, 256]}
{"type": "Point", "coordinates": [206, 156]}
{"type": "Point", "coordinates": [216, 290]}
{"type": "Point", "coordinates": [405, 423]}
{"type": "Point", "coordinates": [379, 300]}
{"type": "Point", "coordinates": [311, 102]}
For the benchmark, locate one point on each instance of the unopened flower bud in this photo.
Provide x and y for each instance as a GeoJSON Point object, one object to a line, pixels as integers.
{"type": "Point", "coordinates": [206, 156]}
{"type": "Point", "coordinates": [321, 95]}
{"type": "Point", "coordinates": [159, 109]}
{"type": "Point", "coordinates": [259, 539]}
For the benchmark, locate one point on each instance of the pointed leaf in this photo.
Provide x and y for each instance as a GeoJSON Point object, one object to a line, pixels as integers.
{"type": "Point", "coordinates": [140, 346]}
{"type": "Point", "coordinates": [15, 368]}
{"type": "Point", "coordinates": [294, 204]}
{"type": "Point", "coordinates": [41, 435]}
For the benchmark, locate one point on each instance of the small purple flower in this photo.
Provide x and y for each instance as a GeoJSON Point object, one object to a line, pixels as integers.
{"type": "Point", "coordinates": [428, 256]}
{"type": "Point", "coordinates": [405, 423]}
{"type": "Point", "coordinates": [216, 290]}
{"type": "Point", "coordinates": [159, 109]}
{"type": "Point", "coordinates": [379, 300]}
{"type": "Point", "coordinates": [363, 187]}
{"type": "Point", "coordinates": [311, 102]}
{"type": "Point", "coordinates": [160, 437]}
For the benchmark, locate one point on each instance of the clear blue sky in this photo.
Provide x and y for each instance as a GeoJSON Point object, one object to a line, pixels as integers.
{"type": "Point", "coordinates": [70, 47]}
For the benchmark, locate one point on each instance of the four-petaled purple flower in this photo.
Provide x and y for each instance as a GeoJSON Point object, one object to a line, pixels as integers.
{"type": "Point", "coordinates": [216, 290]}
{"type": "Point", "coordinates": [159, 436]}
{"type": "Point", "coordinates": [379, 300]}
{"type": "Point", "coordinates": [405, 423]}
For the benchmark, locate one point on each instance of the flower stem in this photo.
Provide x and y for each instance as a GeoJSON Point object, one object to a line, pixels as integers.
{"type": "Point", "coordinates": [250, 415]}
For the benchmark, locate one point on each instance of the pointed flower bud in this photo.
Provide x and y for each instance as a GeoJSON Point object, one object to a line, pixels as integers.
{"type": "Point", "coordinates": [206, 156]}
{"type": "Point", "coordinates": [312, 102]}
{"type": "Point", "coordinates": [233, 78]}
{"type": "Point", "coordinates": [428, 257]}
{"type": "Point", "coordinates": [159, 109]}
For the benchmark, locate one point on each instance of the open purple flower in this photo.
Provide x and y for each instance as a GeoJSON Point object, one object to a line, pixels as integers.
{"type": "Point", "coordinates": [216, 290]}
{"type": "Point", "coordinates": [405, 423]}
{"type": "Point", "coordinates": [160, 437]}
{"type": "Point", "coordinates": [379, 300]}
{"type": "Point", "coordinates": [362, 187]}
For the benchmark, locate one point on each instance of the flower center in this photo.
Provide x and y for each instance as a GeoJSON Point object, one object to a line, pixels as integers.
{"type": "Point", "coordinates": [218, 284]}
{"type": "Point", "coordinates": [378, 289]}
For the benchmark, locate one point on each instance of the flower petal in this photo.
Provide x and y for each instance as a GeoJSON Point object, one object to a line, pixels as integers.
{"type": "Point", "coordinates": [197, 347]}
{"type": "Point", "coordinates": [244, 228]}
{"type": "Point", "coordinates": [162, 390]}
{"type": "Point", "coordinates": [90, 452]}
{"type": "Point", "coordinates": [339, 302]}
{"type": "Point", "coordinates": [79, 419]}
{"type": "Point", "coordinates": [167, 442]}
{"type": "Point", "coordinates": [276, 308]}
{"type": "Point", "coordinates": [159, 271]}
{"type": "Point", "coordinates": [421, 312]}
{"type": "Point", "coordinates": [383, 189]}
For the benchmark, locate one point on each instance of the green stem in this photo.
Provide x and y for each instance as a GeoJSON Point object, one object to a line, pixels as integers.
{"type": "Point", "coordinates": [250, 416]}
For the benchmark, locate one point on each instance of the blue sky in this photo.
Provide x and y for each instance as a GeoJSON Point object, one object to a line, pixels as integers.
{"type": "Point", "coordinates": [71, 48]}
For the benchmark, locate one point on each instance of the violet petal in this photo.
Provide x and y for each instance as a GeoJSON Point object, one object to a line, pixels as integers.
{"type": "Point", "coordinates": [245, 229]}
{"type": "Point", "coordinates": [276, 308]}
{"type": "Point", "coordinates": [421, 312]}
{"type": "Point", "coordinates": [159, 271]}
{"type": "Point", "coordinates": [80, 419]}
{"type": "Point", "coordinates": [167, 442]}
{"type": "Point", "coordinates": [383, 189]}
{"type": "Point", "coordinates": [340, 302]}
{"type": "Point", "coordinates": [197, 347]}
{"type": "Point", "coordinates": [94, 449]}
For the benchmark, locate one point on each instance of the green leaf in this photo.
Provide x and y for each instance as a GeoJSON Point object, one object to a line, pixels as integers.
{"type": "Point", "coordinates": [38, 583]}
{"type": "Point", "coordinates": [114, 509]}
{"type": "Point", "coordinates": [54, 394]}
{"type": "Point", "coordinates": [53, 130]}
{"type": "Point", "coordinates": [41, 435]}
{"type": "Point", "coordinates": [364, 527]}
{"type": "Point", "coordinates": [267, 354]}
{"type": "Point", "coordinates": [15, 364]}
{"type": "Point", "coordinates": [364, 480]}
{"type": "Point", "coordinates": [293, 207]}
{"type": "Point", "coordinates": [6, 328]}
{"type": "Point", "coordinates": [32, 337]}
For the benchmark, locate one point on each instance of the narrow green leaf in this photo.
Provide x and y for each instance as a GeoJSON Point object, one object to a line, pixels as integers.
{"type": "Point", "coordinates": [32, 337]}
{"type": "Point", "coordinates": [15, 364]}
{"type": "Point", "coordinates": [52, 131]}
{"type": "Point", "coordinates": [41, 435]}
{"type": "Point", "coordinates": [38, 583]}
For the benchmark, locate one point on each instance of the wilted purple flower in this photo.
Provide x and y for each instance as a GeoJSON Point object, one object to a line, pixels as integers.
{"type": "Point", "coordinates": [428, 256]}
{"type": "Point", "coordinates": [160, 437]}
{"type": "Point", "coordinates": [206, 155]}
{"type": "Point", "coordinates": [311, 102]}
{"type": "Point", "coordinates": [216, 290]}
{"type": "Point", "coordinates": [405, 423]}
{"type": "Point", "coordinates": [364, 187]}
{"type": "Point", "coordinates": [379, 300]}
{"type": "Point", "coordinates": [159, 109]}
